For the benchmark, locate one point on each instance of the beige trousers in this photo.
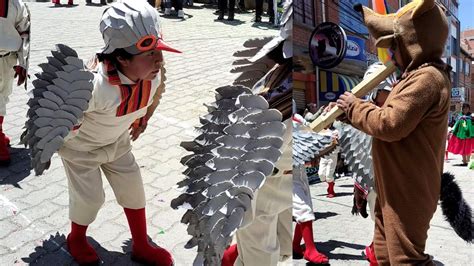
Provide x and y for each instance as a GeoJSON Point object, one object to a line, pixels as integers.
{"type": "Point", "coordinates": [83, 169]}
{"type": "Point", "coordinates": [267, 238]}
{"type": "Point", "coordinates": [6, 80]}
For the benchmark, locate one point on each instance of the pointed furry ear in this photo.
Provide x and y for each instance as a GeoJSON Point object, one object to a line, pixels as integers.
{"type": "Point", "coordinates": [422, 7]}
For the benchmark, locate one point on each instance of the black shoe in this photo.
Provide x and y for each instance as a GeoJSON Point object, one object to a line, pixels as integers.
{"type": "Point", "coordinates": [258, 19]}
{"type": "Point", "coordinates": [221, 16]}
{"type": "Point", "coordinates": [272, 20]}
{"type": "Point", "coordinates": [231, 16]}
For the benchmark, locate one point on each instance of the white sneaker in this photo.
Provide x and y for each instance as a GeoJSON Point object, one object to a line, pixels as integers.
{"type": "Point", "coordinates": [167, 11]}
{"type": "Point", "coordinates": [180, 14]}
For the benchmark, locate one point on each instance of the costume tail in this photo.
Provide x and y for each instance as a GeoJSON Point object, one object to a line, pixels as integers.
{"type": "Point", "coordinates": [455, 208]}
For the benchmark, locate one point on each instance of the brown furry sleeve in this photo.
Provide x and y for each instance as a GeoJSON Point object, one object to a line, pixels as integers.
{"type": "Point", "coordinates": [405, 107]}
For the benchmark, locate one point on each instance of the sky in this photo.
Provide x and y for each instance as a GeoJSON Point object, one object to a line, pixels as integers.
{"type": "Point", "coordinates": [466, 14]}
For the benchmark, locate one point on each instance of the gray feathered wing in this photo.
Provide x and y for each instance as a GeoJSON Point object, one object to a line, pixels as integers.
{"type": "Point", "coordinates": [356, 147]}
{"type": "Point", "coordinates": [60, 96]}
{"type": "Point", "coordinates": [238, 146]}
{"type": "Point", "coordinates": [308, 145]}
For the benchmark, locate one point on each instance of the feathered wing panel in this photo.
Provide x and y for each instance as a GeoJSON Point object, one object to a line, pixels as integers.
{"type": "Point", "coordinates": [308, 145]}
{"type": "Point", "coordinates": [250, 72]}
{"type": "Point", "coordinates": [238, 145]}
{"type": "Point", "coordinates": [60, 96]}
{"type": "Point", "coordinates": [356, 147]}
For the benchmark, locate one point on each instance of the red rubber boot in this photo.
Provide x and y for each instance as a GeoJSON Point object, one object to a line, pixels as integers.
{"type": "Point", "coordinates": [82, 252]}
{"type": "Point", "coordinates": [297, 249]}
{"type": "Point", "coordinates": [142, 251]}
{"type": "Point", "coordinates": [4, 151]}
{"type": "Point", "coordinates": [311, 254]}
{"type": "Point", "coordinates": [230, 255]}
{"type": "Point", "coordinates": [331, 193]}
{"type": "Point", "coordinates": [7, 139]}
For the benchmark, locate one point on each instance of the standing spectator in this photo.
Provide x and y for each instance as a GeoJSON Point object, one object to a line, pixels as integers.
{"type": "Point", "coordinates": [222, 5]}
{"type": "Point", "coordinates": [178, 6]}
{"type": "Point", "coordinates": [312, 112]}
{"type": "Point", "coordinates": [58, 2]}
{"type": "Point", "coordinates": [327, 164]}
{"type": "Point", "coordinates": [14, 54]}
{"type": "Point", "coordinates": [102, 2]}
{"type": "Point", "coordinates": [259, 11]}
{"type": "Point", "coordinates": [462, 140]}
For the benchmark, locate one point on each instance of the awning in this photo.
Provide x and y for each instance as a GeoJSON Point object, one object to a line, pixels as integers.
{"type": "Point", "coordinates": [331, 84]}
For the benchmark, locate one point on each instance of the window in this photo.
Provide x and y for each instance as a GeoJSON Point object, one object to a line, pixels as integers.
{"type": "Point", "coordinates": [454, 46]}
{"type": "Point", "coordinates": [304, 12]}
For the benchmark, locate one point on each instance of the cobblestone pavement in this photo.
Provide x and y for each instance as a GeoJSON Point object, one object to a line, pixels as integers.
{"type": "Point", "coordinates": [343, 237]}
{"type": "Point", "coordinates": [34, 210]}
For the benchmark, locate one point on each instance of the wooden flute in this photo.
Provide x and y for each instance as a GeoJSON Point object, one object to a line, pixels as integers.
{"type": "Point", "coordinates": [361, 89]}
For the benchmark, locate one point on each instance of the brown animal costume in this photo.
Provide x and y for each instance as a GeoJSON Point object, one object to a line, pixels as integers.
{"type": "Point", "coordinates": [409, 130]}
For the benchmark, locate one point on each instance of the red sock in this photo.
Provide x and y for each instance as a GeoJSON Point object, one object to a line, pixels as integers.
{"type": "Point", "coordinates": [311, 253]}
{"type": "Point", "coordinates": [297, 250]}
{"type": "Point", "coordinates": [80, 249]}
{"type": "Point", "coordinates": [230, 255]}
{"type": "Point", "coordinates": [370, 255]}
{"type": "Point", "coordinates": [142, 251]}
{"type": "Point", "coordinates": [331, 193]}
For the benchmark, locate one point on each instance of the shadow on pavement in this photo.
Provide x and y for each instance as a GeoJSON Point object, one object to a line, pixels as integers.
{"type": "Point", "coordinates": [327, 247]}
{"type": "Point", "coordinates": [264, 25]}
{"type": "Point", "coordinates": [235, 22]}
{"type": "Point", "coordinates": [53, 251]}
{"type": "Point", "coordinates": [339, 194]}
{"type": "Point", "coordinates": [63, 5]}
{"type": "Point", "coordinates": [324, 215]}
{"type": "Point", "coordinates": [19, 168]}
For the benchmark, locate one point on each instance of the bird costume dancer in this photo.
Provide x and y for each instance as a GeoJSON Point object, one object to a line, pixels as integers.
{"type": "Point", "coordinates": [14, 57]}
{"type": "Point", "coordinates": [238, 180]}
{"type": "Point", "coordinates": [91, 116]}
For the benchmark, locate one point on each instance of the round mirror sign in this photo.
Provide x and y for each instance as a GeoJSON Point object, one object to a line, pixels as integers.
{"type": "Point", "coordinates": [327, 45]}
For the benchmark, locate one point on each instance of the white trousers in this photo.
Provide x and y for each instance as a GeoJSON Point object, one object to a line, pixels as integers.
{"type": "Point", "coordinates": [371, 197]}
{"type": "Point", "coordinates": [6, 80]}
{"type": "Point", "coordinates": [302, 204]}
{"type": "Point", "coordinates": [327, 166]}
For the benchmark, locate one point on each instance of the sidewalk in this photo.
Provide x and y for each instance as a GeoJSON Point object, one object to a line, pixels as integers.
{"type": "Point", "coordinates": [34, 210]}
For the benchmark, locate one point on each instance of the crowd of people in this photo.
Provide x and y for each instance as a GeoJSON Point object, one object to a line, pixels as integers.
{"type": "Point", "coordinates": [176, 7]}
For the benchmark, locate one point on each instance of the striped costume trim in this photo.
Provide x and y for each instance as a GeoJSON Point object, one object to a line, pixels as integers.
{"type": "Point", "coordinates": [3, 8]}
{"type": "Point", "coordinates": [133, 97]}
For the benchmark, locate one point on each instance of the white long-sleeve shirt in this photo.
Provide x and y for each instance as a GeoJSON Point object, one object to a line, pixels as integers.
{"type": "Point", "coordinates": [102, 124]}
{"type": "Point", "coordinates": [15, 30]}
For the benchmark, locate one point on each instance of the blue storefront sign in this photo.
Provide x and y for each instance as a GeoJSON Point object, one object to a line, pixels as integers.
{"type": "Point", "coordinates": [355, 48]}
{"type": "Point", "coordinates": [350, 19]}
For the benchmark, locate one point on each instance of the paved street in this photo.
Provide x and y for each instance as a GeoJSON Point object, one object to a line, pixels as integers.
{"type": "Point", "coordinates": [343, 237]}
{"type": "Point", "coordinates": [34, 210]}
